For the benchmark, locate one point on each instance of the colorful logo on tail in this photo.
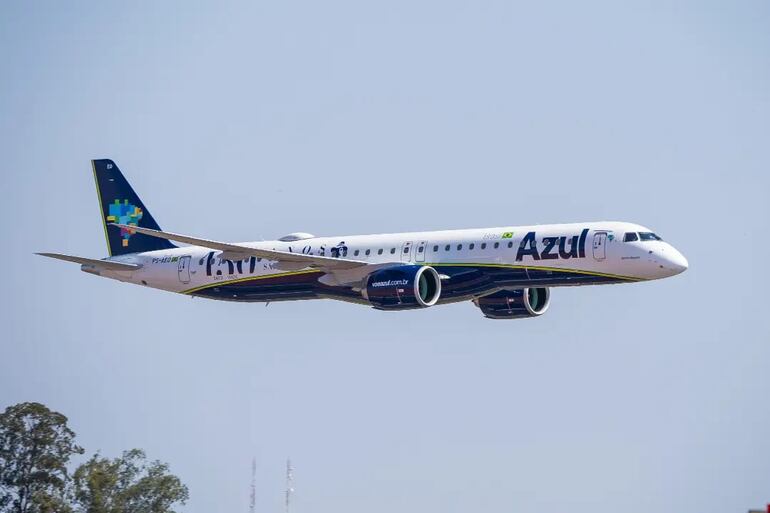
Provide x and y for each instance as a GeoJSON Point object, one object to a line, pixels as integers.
{"type": "Point", "coordinates": [124, 213]}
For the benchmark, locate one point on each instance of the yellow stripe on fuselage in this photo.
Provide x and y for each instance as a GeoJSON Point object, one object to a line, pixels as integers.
{"type": "Point", "coordinates": [535, 267]}
{"type": "Point", "coordinates": [458, 264]}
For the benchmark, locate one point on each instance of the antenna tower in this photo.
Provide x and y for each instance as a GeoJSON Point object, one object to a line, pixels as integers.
{"type": "Point", "coordinates": [253, 498]}
{"type": "Point", "coordinates": [289, 483]}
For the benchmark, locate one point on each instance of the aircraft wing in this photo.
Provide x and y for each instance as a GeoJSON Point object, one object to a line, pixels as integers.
{"type": "Point", "coordinates": [102, 264]}
{"type": "Point", "coordinates": [238, 251]}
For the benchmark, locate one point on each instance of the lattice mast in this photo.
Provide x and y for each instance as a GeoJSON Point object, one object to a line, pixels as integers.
{"type": "Point", "coordinates": [253, 497]}
{"type": "Point", "coordinates": [289, 484]}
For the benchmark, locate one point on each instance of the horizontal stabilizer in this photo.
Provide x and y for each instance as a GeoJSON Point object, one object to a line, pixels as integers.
{"type": "Point", "coordinates": [101, 264]}
{"type": "Point", "coordinates": [240, 251]}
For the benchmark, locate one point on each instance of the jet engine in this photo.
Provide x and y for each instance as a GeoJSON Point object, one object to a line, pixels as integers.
{"type": "Point", "coordinates": [403, 287]}
{"type": "Point", "coordinates": [515, 304]}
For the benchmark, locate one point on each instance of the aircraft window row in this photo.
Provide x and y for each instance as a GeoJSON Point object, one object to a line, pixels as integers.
{"type": "Point", "coordinates": [471, 246]}
{"type": "Point", "coordinates": [633, 236]}
{"type": "Point", "coordinates": [421, 249]}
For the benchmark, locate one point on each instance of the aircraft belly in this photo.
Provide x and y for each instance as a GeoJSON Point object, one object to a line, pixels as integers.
{"type": "Point", "coordinates": [464, 282]}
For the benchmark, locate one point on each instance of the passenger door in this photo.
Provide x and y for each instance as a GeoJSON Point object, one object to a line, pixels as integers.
{"type": "Point", "coordinates": [184, 269]}
{"type": "Point", "coordinates": [600, 246]}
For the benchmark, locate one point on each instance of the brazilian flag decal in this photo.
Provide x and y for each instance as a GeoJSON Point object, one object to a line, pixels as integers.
{"type": "Point", "coordinates": [507, 235]}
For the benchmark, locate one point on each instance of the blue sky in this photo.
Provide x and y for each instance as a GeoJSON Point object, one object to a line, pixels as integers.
{"type": "Point", "coordinates": [240, 121]}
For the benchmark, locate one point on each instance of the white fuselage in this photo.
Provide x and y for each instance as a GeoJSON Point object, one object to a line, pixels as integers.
{"type": "Point", "coordinates": [552, 255]}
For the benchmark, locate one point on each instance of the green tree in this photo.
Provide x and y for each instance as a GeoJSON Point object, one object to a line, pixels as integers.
{"type": "Point", "coordinates": [128, 484]}
{"type": "Point", "coordinates": [35, 447]}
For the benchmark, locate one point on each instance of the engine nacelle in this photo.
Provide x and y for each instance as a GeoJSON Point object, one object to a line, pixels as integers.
{"type": "Point", "coordinates": [515, 304]}
{"type": "Point", "coordinates": [403, 287]}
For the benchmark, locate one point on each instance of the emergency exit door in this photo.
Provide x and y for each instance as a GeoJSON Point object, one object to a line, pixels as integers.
{"type": "Point", "coordinates": [421, 249]}
{"type": "Point", "coordinates": [406, 252]}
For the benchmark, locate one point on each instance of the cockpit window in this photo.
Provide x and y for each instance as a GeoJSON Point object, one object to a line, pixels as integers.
{"type": "Point", "coordinates": [648, 236]}
{"type": "Point", "coordinates": [630, 237]}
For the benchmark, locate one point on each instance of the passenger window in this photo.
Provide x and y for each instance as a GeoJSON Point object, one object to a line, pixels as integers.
{"type": "Point", "coordinates": [379, 251]}
{"type": "Point", "coordinates": [483, 245]}
{"type": "Point", "coordinates": [630, 237]}
{"type": "Point", "coordinates": [459, 247]}
{"type": "Point", "coordinates": [497, 245]}
{"type": "Point", "coordinates": [392, 251]}
{"type": "Point", "coordinates": [406, 250]}
{"type": "Point", "coordinates": [435, 248]}
{"type": "Point", "coordinates": [368, 251]}
{"type": "Point", "coordinates": [446, 248]}
{"type": "Point", "coordinates": [356, 252]}
{"type": "Point", "coordinates": [471, 246]}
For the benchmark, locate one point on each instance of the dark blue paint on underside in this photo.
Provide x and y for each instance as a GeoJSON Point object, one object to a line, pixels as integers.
{"type": "Point", "coordinates": [463, 281]}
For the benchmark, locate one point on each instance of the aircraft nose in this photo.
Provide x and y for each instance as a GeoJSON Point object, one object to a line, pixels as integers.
{"type": "Point", "coordinates": [675, 261]}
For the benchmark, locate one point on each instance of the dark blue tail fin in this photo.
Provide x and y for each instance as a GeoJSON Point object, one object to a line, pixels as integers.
{"type": "Point", "coordinates": [120, 204]}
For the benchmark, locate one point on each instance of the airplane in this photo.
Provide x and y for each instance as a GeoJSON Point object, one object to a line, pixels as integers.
{"type": "Point", "coordinates": [507, 272]}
